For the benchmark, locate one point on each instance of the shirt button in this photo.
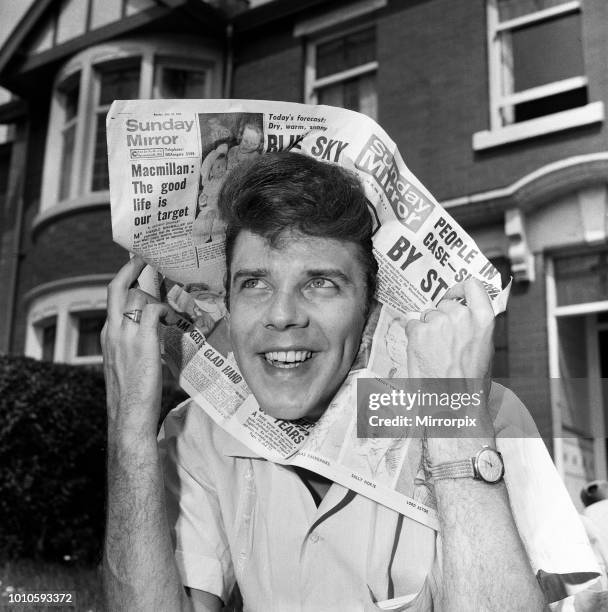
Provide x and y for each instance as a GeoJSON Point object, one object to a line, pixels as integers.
{"type": "Point", "coordinates": [314, 537]}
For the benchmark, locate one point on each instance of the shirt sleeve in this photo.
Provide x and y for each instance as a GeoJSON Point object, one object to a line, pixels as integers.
{"type": "Point", "coordinates": [201, 546]}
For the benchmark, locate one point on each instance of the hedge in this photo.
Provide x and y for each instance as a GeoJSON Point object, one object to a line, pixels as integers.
{"type": "Point", "coordinates": [52, 459]}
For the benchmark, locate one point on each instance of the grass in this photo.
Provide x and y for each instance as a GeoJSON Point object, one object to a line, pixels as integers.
{"type": "Point", "coordinates": [32, 576]}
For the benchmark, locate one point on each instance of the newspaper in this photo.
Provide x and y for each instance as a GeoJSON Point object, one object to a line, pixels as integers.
{"type": "Point", "coordinates": [169, 160]}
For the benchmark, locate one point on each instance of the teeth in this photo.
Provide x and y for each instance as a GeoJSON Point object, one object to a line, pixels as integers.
{"type": "Point", "coordinates": [287, 359]}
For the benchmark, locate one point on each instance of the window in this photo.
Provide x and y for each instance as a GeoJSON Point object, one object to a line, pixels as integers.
{"type": "Point", "coordinates": [65, 325]}
{"type": "Point", "coordinates": [540, 59]}
{"type": "Point", "coordinates": [174, 80]}
{"type": "Point", "coordinates": [47, 331]}
{"type": "Point", "coordinates": [70, 93]}
{"type": "Point", "coordinates": [341, 71]}
{"type": "Point", "coordinates": [89, 330]}
{"type": "Point", "coordinates": [537, 73]}
{"type": "Point", "coordinates": [115, 83]}
{"type": "Point", "coordinates": [76, 170]}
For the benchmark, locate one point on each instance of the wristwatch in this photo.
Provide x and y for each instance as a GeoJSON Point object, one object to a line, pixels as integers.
{"type": "Point", "coordinates": [486, 465]}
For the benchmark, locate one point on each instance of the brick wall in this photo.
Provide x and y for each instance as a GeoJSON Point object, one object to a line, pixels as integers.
{"type": "Point", "coordinates": [433, 95]}
{"type": "Point", "coordinates": [269, 66]}
{"type": "Point", "coordinates": [75, 245]}
{"type": "Point", "coordinates": [433, 91]}
{"type": "Point", "coordinates": [528, 347]}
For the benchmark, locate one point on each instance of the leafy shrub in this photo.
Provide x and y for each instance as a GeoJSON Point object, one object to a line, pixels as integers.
{"type": "Point", "coordinates": [52, 453]}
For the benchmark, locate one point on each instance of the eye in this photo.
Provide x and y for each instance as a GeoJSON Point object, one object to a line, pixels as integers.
{"type": "Point", "coordinates": [322, 283]}
{"type": "Point", "coordinates": [253, 283]}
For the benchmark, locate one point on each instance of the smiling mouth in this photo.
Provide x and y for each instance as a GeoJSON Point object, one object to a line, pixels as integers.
{"type": "Point", "coordinates": [287, 359]}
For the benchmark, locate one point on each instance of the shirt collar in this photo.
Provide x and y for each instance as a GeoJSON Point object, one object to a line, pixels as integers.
{"type": "Point", "coordinates": [232, 447]}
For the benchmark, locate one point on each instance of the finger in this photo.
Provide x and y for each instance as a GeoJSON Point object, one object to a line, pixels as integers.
{"type": "Point", "coordinates": [451, 307]}
{"type": "Point", "coordinates": [478, 300]}
{"type": "Point", "coordinates": [119, 287]}
{"type": "Point", "coordinates": [151, 316]}
{"type": "Point", "coordinates": [455, 293]}
{"type": "Point", "coordinates": [430, 314]}
{"type": "Point", "coordinates": [137, 298]}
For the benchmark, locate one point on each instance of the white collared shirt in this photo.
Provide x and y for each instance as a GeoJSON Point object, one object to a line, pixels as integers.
{"type": "Point", "coordinates": [236, 516]}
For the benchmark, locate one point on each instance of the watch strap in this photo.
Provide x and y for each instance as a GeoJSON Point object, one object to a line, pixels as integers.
{"type": "Point", "coordinates": [453, 469]}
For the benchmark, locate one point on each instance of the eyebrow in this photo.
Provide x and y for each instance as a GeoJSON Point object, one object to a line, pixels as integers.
{"type": "Point", "coordinates": [332, 273]}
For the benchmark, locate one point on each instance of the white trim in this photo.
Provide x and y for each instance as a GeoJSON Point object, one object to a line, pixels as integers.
{"type": "Point", "coordinates": [580, 309]}
{"type": "Point", "coordinates": [502, 98]}
{"type": "Point", "coordinates": [553, 354]}
{"type": "Point", "coordinates": [346, 74]}
{"type": "Point", "coordinates": [336, 17]}
{"type": "Point", "coordinates": [554, 11]}
{"type": "Point", "coordinates": [64, 305]}
{"type": "Point", "coordinates": [557, 122]}
{"type": "Point", "coordinates": [71, 282]}
{"type": "Point", "coordinates": [143, 49]}
{"type": "Point", "coordinates": [90, 200]}
{"type": "Point", "coordinates": [596, 406]}
{"type": "Point", "coordinates": [543, 91]}
{"type": "Point", "coordinates": [312, 84]}
{"type": "Point", "coordinates": [506, 192]}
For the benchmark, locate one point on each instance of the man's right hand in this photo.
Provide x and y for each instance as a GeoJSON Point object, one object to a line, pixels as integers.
{"type": "Point", "coordinates": [131, 356]}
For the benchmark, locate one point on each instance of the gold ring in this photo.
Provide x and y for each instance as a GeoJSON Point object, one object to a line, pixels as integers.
{"type": "Point", "coordinates": [133, 315]}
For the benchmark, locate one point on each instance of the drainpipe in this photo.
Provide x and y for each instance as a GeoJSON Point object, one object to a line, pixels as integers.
{"type": "Point", "coordinates": [15, 194]}
{"type": "Point", "coordinates": [229, 63]}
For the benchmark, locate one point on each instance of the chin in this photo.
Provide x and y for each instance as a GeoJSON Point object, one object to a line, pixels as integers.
{"type": "Point", "coordinates": [290, 412]}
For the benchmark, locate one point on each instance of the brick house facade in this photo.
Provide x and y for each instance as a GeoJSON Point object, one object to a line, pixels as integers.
{"type": "Point", "coordinates": [498, 106]}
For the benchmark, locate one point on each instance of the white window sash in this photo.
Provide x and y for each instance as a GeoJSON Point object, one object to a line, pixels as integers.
{"type": "Point", "coordinates": [537, 16]}
{"type": "Point", "coordinates": [345, 75]}
{"type": "Point", "coordinates": [501, 78]}
{"type": "Point", "coordinates": [312, 84]}
{"type": "Point", "coordinates": [543, 91]}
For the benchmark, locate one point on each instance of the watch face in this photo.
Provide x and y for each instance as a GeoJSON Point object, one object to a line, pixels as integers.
{"type": "Point", "coordinates": [489, 465]}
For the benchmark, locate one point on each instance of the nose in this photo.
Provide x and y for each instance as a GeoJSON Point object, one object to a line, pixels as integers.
{"type": "Point", "coordinates": [285, 310]}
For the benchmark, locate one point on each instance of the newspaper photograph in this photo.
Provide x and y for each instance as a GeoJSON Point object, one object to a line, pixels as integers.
{"type": "Point", "coordinates": [168, 161]}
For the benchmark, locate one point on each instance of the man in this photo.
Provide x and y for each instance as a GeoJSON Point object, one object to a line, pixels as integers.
{"type": "Point", "coordinates": [301, 276]}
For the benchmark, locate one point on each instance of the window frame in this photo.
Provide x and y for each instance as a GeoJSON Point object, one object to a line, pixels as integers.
{"type": "Point", "coordinates": [312, 84]}
{"type": "Point", "coordinates": [501, 131]}
{"type": "Point", "coordinates": [64, 307]}
{"type": "Point", "coordinates": [87, 67]}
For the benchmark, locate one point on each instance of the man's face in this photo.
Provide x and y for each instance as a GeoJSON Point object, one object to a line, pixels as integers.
{"type": "Point", "coordinates": [296, 317]}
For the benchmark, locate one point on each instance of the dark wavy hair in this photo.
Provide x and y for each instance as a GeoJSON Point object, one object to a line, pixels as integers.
{"type": "Point", "coordinates": [281, 193]}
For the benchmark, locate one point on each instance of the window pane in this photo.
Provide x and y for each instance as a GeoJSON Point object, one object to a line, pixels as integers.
{"type": "Point", "coordinates": [551, 104]}
{"type": "Point", "coordinates": [547, 51]}
{"type": "Point", "coordinates": [358, 94]}
{"type": "Point", "coordinates": [49, 332]}
{"type": "Point", "coordinates": [71, 95]}
{"type": "Point", "coordinates": [179, 83]}
{"type": "Point", "coordinates": [346, 52]}
{"type": "Point", "coordinates": [89, 329]}
{"type": "Point", "coordinates": [509, 9]}
{"type": "Point", "coordinates": [581, 278]}
{"type": "Point", "coordinates": [67, 157]}
{"type": "Point", "coordinates": [119, 84]}
{"type": "Point", "coordinates": [101, 179]}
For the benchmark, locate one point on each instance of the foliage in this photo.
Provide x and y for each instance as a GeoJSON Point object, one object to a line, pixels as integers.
{"type": "Point", "coordinates": [52, 453]}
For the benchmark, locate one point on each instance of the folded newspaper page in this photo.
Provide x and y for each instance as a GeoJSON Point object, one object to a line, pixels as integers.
{"type": "Point", "coordinates": [168, 162]}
